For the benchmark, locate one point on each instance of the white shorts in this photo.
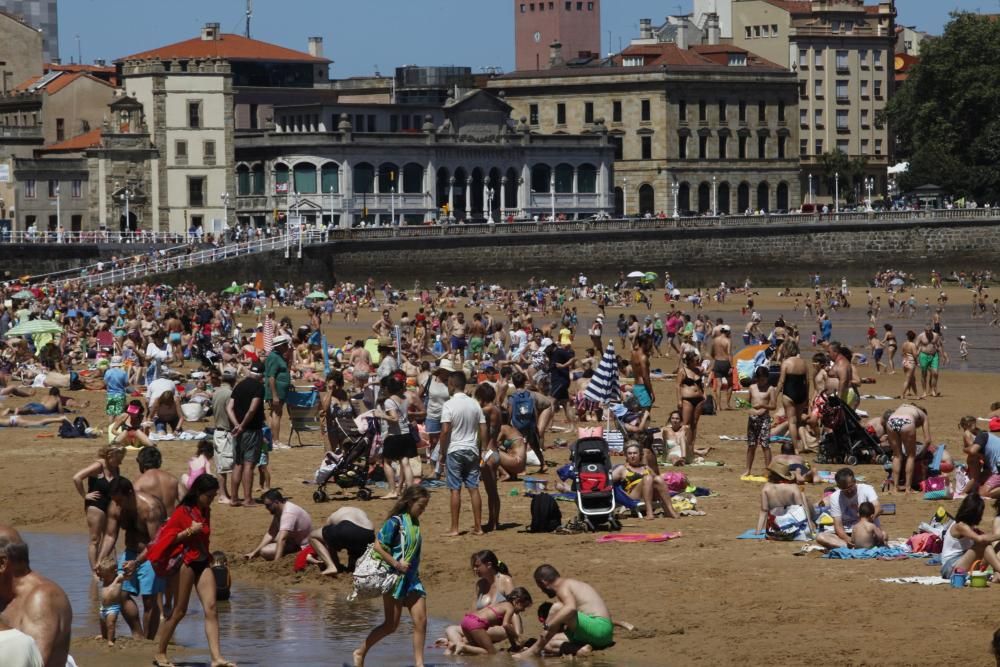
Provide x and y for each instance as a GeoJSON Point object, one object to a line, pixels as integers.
{"type": "Point", "coordinates": [223, 442]}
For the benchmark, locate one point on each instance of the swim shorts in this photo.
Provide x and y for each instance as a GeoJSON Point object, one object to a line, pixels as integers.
{"type": "Point", "coordinates": [248, 446]}
{"type": "Point", "coordinates": [115, 405]}
{"type": "Point", "coordinates": [722, 369]}
{"type": "Point", "coordinates": [223, 445]}
{"type": "Point", "coordinates": [642, 396]}
{"type": "Point", "coordinates": [928, 361]}
{"type": "Point", "coordinates": [144, 581]}
{"type": "Point", "coordinates": [175, 337]}
{"type": "Point", "coordinates": [594, 630]}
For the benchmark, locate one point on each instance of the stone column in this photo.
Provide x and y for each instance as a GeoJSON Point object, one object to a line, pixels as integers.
{"type": "Point", "coordinates": [451, 196]}
{"type": "Point", "coordinates": [486, 202]}
{"type": "Point", "coordinates": [347, 194]}
{"type": "Point", "coordinates": [503, 196]}
{"type": "Point", "coordinates": [468, 198]}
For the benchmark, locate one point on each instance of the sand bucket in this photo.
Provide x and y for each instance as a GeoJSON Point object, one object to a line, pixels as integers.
{"type": "Point", "coordinates": [978, 578]}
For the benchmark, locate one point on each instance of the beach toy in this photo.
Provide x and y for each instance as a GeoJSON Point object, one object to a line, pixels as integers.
{"type": "Point", "coordinates": [958, 578]}
{"type": "Point", "coordinates": [535, 485]}
{"type": "Point", "coordinates": [979, 578]}
{"type": "Point", "coordinates": [889, 508]}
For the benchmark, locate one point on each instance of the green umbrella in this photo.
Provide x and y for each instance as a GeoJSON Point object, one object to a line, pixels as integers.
{"type": "Point", "coordinates": [316, 295]}
{"type": "Point", "coordinates": [650, 276]}
{"type": "Point", "coordinates": [233, 289]}
{"type": "Point", "coordinates": [23, 294]}
{"type": "Point", "coordinates": [32, 327]}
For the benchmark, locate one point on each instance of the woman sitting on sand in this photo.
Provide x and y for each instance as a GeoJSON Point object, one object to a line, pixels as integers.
{"type": "Point", "coordinates": [493, 585]}
{"type": "Point", "coordinates": [965, 543]}
{"type": "Point", "coordinates": [641, 483]}
{"type": "Point", "coordinates": [126, 429]}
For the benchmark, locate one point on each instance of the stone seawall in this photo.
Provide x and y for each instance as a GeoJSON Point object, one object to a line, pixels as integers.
{"type": "Point", "coordinates": [19, 259]}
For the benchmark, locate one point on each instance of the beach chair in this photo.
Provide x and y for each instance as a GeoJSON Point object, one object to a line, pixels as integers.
{"type": "Point", "coordinates": [106, 340]}
{"type": "Point", "coordinates": [303, 412]}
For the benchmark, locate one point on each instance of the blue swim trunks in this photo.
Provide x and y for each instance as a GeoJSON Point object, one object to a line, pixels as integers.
{"type": "Point", "coordinates": [642, 396]}
{"type": "Point", "coordinates": [144, 581]}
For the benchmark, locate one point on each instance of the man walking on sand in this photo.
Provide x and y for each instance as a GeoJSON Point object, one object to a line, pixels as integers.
{"type": "Point", "coordinates": [463, 428]}
{"type": "Point", "coordinates": [246, 412]}
{"type": "Point", "coordinates": [721, 354]}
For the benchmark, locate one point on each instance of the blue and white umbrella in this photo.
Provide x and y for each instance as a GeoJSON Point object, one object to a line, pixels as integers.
{"type": "Point", "coordinates": [603, 386]}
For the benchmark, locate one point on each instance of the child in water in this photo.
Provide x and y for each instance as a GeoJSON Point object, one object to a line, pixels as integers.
{"type": "Point", "coordinates": [111, 598]}
{"type": "Point", "coordinates": [223, 580]}
{"type": "Point", "coordinates": [475, 640]}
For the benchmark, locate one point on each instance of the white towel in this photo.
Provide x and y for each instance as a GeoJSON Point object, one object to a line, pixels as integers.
{"type": "Point", "coordinates": [923, 581]}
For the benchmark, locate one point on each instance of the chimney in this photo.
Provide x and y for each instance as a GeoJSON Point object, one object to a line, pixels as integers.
{"type": "Point", "coordinates": [210, 33]}
{"type": "Point", "coordinates": [682, 36]}
{"type": "Point", "coordinates": [645, 29]}
{"type": "Point", "coordinates": [714, 31]}
{"type": "Point", "coordinates": [555, 55]}
{"type": "Point", "coordinates": [316, 47]}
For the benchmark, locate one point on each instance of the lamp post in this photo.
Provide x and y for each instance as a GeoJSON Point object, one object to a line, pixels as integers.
{"type": "Point", "coordinates": [59, 213]}
{"type": "Point", "coordinates": [489, 198]}
{"type": "Point", "coordinates": [625, 198]}
{"type": "Point", "coordinates": [675, 188]}
{"type": "Point", "coordinates": [811, 200]}
{"type": "Point", "coordinates": [552, 195]}
{"type": "Point", "coordinates": [298, 223]}
{"type": "Point", "coordinates": [715, 197]}
{"type": "Point", "coordinates": [225, 209]}
{"type": "Point", "coordinates": [288, 219]}
{"type": "Point", "coordinates": [836, 192]}
{"type": "Point", "coordinates": [392, 196]}
{"type": "Point", "coordinates": [869, 186]}
{"type": "Point", "coordinates": [126, 196]}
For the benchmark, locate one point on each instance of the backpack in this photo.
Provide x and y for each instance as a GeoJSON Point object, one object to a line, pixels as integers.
{"type": "Point", "coordinates": [708, 407]}
{"type": "Point", "coordinates": [545, 514]}
{"type": "Point", "coordinates": [522, 410]}
{"type": "Point", "coordinates": [75, 429]}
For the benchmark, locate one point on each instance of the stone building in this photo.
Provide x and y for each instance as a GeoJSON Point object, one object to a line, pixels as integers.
{"type": "Point", "coordinates": [43, 16]}
{"type": "Point", "coordinates": [699, 128]}
{"type": "Point", "coordinates": [575, 25]}
{"type": "Point", "coordinates": [842, 54]}
{"type": "Point", "coordinates": [467, 160]}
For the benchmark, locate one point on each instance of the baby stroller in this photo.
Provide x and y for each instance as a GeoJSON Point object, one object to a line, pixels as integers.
{"type": "Point", "coordinates": [595, 496]}
{"type": "Point", "coordinates": [846, 440]}
{"type": "Point", "coordinates": [348, 468]}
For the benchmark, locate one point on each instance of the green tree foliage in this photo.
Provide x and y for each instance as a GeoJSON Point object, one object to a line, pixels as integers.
{"type": "Point", "coordinates": [946, 116]}
{"type": "Point", "coordinates": [836, 165]}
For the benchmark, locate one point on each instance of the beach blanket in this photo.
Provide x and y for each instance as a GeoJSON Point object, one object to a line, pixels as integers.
{"type": "Point", "coordinates": [874, 553]}
{"type": "Point", "coordinates": [637, 537]}
{"type": "Point", "coordinates": [753, 478]}
{"type": "Point", "coordinates": [876, 397]}
{"type": "Point", "coordinates": [923, 581]}
{"type": "Point", "coordinates": [701, 464]}
{"type": "Point", "coordinates": [751, 534]}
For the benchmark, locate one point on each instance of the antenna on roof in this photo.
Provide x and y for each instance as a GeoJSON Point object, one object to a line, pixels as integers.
{"type": "Point", "coordinates": [249, 16]}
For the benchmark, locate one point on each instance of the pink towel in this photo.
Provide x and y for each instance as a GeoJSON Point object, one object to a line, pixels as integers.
{"type": "Point", "coordinates": [638, 537]}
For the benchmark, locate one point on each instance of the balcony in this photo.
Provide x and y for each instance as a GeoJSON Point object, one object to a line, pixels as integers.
{"type": "Point", "coordinates": [18, 132]}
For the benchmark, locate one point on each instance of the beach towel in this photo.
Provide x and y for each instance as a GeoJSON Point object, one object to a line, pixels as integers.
{"type": "Point", "coordinates": [876, 397]}
{"type": "Point", "coordinates": [923, 581]}
{"type": "Point", "coordinates": [874, 553]}
{"type": "Point", "coordinates": [753, 478]}
{"type": "Point", "coordinates": [637, 537]}
{"type": "Point", "coordinates": [751, 534]}
{"type": "Point", "coordinates": [734, 438]}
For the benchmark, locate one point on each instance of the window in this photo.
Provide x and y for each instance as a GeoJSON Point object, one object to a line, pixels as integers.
{"type": "Point", "coordinates": [842, 120]}
{"type": "Point", "coordinates": [762, 147]}
{"type": "Point", "coordinates": [819, 147]}
{"type": "Point", "coordinates": [743, 111]}
{"type": "Point", "coordinates": [781, 111]}
{"type": "Point", "coordinates": [842, 61]}
{"type": "Point", "coordinates": [304, 175]}
{"type": "Point", "coordinates": [53, 189]}
{"type": "Point", "coordinates": [864, 89]}
{"type": "Point", "coordinates": [616, 111]}
{"type": "Point", "coordinates": [743, 148]}
{"type": "Point", "coordinates": [590, 6]}
{"type": "Point", "coordinates": [803, 147]}
{"type": "Point", "coordinates": [756, 31]}
{"type": "Point", "coordinates": [682, 111]}
{"type": "Point", "coordinates": [804, 118]}
{"type": "Point", "coordinates": [29, 188]}
{"type": "Point", "coordinates": [804, 89]}
{"type": "Point", "coordinates": [782, 139]}
{"type": "Point", "coordinates": [645, 113]}
{"type": "Point", "coordinates": [210, 152]}
{"type": "Point", "coordinates": [702, 111]}
{"type": "Point", "coordinates": [848, 26]}
{"type": "Point", "coordinates": [722, 112]}
{"type": "Point", "coordinates": [196, 191]}
{"type": "Point", "coordinates": [863, 58]}
{"type": "Point", "coordinates": [737, 60]}
{"type": "Point", "coordinates": [618, 144]}
{"type": "Point", "coordinates": [877, 59]}
{"type": "Point", "coordinates": [864, 118]}
{"type": "Point", "coordinates": [818, 118]}
{"type": "Point", "coordinates": [842, 90]}
{"type": "Point", "coordinates": [774, 30]}
{"type": "Point", "coordinates": [878, 89]}
{"type": "Point", "coordinates": [194, 114]}
{"type": "Point", "coordinates": [254, 116]}
{"type": "Point", "coordinates": [371, 123]}
{"type": "Point", "coordinates": [560, 114]}
{"type": "Point", "coordinates": [76, 189]}
{"type": "Point", "coordinates": [682, 147]}
{"type": "Point", "coordinates": [761, 112]}
{"type": "Point", "coordinates": [533, 114]}
{"type": "Point", "coordinates": [180, 151]}
{"type": "Point", "coordinates": [569, 6]}
{"type": "Point", "coordinates": [803, 58]}
{"type": "Point", "coordinates": [524, 8]}
{"type": "Point", "coordinates": [878, 147]}
{"type": "Point", "coordinates": [723, 147]}
{"type": "Point", "coordinates": [818, 89]}
{"type": "Point", "coordinates": [818, 58]}
{"type": "Point", "coordinates": [703, 146]}
{"type": "Point", "coordinates": [242, 181]}
{"type": "Point", "coordinates": [834, 26]}
{"type": "Point", "coordinates": [865, 147]}
{"type": "Point", "coordinates": [843, 146]}
{"type": "Point", "coordinates": [588, 112]}
{"type": "Point", "coordinates": [394, 122]}
{"type": "Point", "coordinates": [647, 148]}
{"type": "Point", "coordinates": [749, 31]}
{"type": "Point", "coordinates": [765, 31]}
{"type": "Point", "coordinates": [60, 129]}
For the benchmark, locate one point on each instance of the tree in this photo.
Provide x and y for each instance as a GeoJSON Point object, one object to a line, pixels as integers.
{"type": "Point", "coordinates": [944, 116]}
{"type": "Point", "coordinates": [837, 166]}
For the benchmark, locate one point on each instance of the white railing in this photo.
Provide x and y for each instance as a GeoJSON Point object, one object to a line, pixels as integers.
{"type": "Point", "coordinates": [92, 237]}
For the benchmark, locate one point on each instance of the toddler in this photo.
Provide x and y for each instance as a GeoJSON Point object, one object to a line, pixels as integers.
{"type": "Point", "coordinates": [111, 598]}
{"type": "Point", "coordinates": [866, 532]}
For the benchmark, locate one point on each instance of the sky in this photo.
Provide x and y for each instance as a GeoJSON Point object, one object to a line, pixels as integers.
{"type": "Point", "coordinates": [365, 36]}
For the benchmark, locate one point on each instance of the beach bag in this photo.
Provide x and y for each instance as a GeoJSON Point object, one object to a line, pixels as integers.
{"type": "Point", "coordinates": [589, 432]}
{"type": "Point", "coordinates": [374, 577]}
{"type": "Point", "coordinates": [677, 482]}
{"type": "Point", "coordinates": [708, 407]}
{"type": "Point", "coordinates": [925, 543]}
{"type": "Point", "coordinates": [545, 514]}
{"type": "Point", "coordinates": [792, 525]}
{"type": "Point", "coordinates": [939, 483]}
{"type": "Point", "coordinates": [522, 412]}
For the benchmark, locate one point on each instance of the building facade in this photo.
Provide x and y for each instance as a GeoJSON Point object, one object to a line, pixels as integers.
{"type": "Point", "coordinates": [43, 15]}
{"type": "Point", "coordinates": [574, 24]}
{"type": "Point", "coordinates": [842, 53]}
{"type": "Point", "coordinates": [708, 128]}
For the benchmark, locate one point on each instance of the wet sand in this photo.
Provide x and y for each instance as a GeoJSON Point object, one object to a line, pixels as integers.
{"type": "Point", "coordinates": [702, 599]}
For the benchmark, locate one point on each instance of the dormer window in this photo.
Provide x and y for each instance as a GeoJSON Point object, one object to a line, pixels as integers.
{"type": "Point", "coordinates": [737, 60]}
{"type": "Point", "coordinates": [633, 61]}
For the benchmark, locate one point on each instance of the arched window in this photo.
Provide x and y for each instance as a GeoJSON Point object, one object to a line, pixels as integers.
{"type": "Point", "coordinates": [586, 179]}
{"type": "Point", "coordinates": [364, 178]}
{"type": "Point", "coordinates": [763, 197]}
{"type": "Point", "coordinates": [330, 178]}
{"type": "Point", "coordinates": [684, 199]}
{"type": "Point", "coordinates": [305, 178]}
{"type": "Point", "coordinates": [540, 175]}
{"type": "Point", "coordinates": [619, 203]}
{"type": "Point", "coordinates": [722, 198]}
{"type": "Point", "coordinates": [564, 179]}
{"type": "Point", "coordinates": [647, 199]}
{"type": "Point", "coordinates": [388, 177]}
{"type": "Point", "coordinates": [257, 179]}
{"type": "Point", "coordinates": [782, 197]}
{"type": "Point", "coordinates": [704, 198]}
{"type": "Point", "coordinates": [413, 178]}
{"type": "Point", "coordinates": [743, 198]}
{"type": "Point", "coordinates": [242, 180]}
{"type": "Point", "coordinates": [280, 174]}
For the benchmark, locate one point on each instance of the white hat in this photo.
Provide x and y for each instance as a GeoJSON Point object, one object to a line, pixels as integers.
{"type": "Point", "coordinates": [116, 360]}
{"type": "Point", "coordinates": [545, 343]}
{"type": "Point", "coordinates": [446, 364]}
{"type": "Point", "coordinates": [280, 340]}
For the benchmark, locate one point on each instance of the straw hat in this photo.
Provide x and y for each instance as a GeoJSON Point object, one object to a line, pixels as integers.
{"type": "Point", "coordinates": [780, 468]}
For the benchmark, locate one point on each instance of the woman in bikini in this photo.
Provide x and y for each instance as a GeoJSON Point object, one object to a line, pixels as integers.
{"type": "Point", "coordinates": [675, 437]}
{"type": "Point", "coordinates": [97, 496]}
{"type": "Point", "coordinates": [901, 427]}
{"type": "Point", "coordinates": [127, 427]}
{"type": "Point", "coordinates": [493, 585]}
{"type": "Point", "coordinates": [793, 388]}
{"type": "Point", "coordinates": [477, 626]}
{"type": "Point", "coordinates": [486, 395]}
{"type": "Point", "coordinates": [641, 483]}
{"type": "Point", "coordinates": [889, 343]}
{"type": "Point", "coordinates": [909, 359]}
{"type": "Point", "coordinates": [690, 393]}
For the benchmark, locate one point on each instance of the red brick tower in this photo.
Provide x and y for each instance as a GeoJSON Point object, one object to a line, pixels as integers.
{"type": "Point", "coordinates": [574, 24]}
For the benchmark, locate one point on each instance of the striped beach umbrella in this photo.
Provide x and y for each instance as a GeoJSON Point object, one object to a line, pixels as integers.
{"type": "Point", "coordinates": [34, 327]}
{"type": "Point", "coordinates": [603, 386]}
{"type": "Point", "coordinates": [268, 334]}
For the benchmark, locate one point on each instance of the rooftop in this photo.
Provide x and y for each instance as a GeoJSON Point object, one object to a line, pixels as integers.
{"type": "Point", "coordinates": [229, 47]}
{"type": "Point", "coordinates": [55, 81]}
{"type": "Point", "coordinates": [80, 142]}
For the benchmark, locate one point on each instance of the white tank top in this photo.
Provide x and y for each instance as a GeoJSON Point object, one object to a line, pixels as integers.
{"type": "Point", "coordinates": [954, 546]}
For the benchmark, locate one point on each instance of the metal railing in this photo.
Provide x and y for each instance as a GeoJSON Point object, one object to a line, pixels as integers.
{"type": "Point", "coordinates": [92, 237]}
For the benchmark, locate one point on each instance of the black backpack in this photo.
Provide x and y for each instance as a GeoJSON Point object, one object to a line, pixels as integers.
{"type": "Point", "coordinates": [545, 514]}
{"type": "Point", "coordinates": [75, 429]}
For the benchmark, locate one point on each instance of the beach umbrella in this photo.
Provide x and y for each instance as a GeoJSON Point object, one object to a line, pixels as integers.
{"type": "Point", "coordinates": [232, 289]}
{"type": "Point", "coordinates": [897, 281]}
{"type": "Point", "coordinates": [650, 275]}
{"type": "Point", "coordinates": [637, 274]}
{"type": "Point", "coordinates": [603, 385]}
{"type": "Point", "coordinates": [23, 294]}
{"type": "Point", "coordinates": [33, 327]}
{"type": "Point", "coordinates": [316, 295]}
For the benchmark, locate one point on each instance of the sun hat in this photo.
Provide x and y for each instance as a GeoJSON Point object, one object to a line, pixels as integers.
{"type": "Point", "coordinates": [280, 340]}
{"type": "Point", "coordinates": [446, 365]}
{"type": "Point", "coordinates": [780, 468]}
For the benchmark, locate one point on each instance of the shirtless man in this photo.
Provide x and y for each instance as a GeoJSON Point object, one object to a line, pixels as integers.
{"type": "Point", "coordinates": [154, 481]}
{"type": "Point", "coordinates": [140, 515]}
{"type": "Point", "coordinates": [803, 472]}
{"type": "Point", "coordinates": [721, 353]}
{"type": "Point", "coordinates": [175, 337]}
{"type": "Point", "coordinates": [928, 358]}
{"type": "Point", "coordinates": [643, 388]}
{"type": "Point", "coordinates": [457, 331]}
{"type": "Point", "coordinates": [477, 336]}
{"type": "Point", "coordinates": [781, 493]}
{"type": "Point", "coordinates": [577, 624]}
{"type": "Point", "coordinates": [348, 529]}
{"type": "Point", "coordinates": [384, 326]}
{"type": "Point", "coordinates": [31, 603]}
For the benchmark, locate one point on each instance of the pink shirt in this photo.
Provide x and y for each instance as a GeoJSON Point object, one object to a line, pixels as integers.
{"type": "Point", "coordinates": [297, 522]}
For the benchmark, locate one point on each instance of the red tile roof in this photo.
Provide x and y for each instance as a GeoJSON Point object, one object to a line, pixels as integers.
{"type": "Point", "coordinates": [226, 47]}
{"type": "Point", "coordinates": [58, 83]}
{"type": "Point", "coordinates": [792, 6]}
{"type": "Point", "coordinates": [80, 142]}
{"type": "Point", "coordinates": [52, 67]}
{"type": "Point", "coordinates": [698, 55]}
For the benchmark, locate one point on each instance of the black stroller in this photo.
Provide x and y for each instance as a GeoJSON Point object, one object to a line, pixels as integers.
{"type": "Point", "coordinates": [847, 441]}
{"type": "Point", "coordinates": [595, 497]}
{"type": "Point", "coordinates": [348, 468]}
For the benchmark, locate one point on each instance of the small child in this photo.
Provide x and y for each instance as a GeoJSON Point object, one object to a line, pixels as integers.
{"type": "Point", "coordinates": [812, 339]}
{"type": "Point", "coordinates": [763, 399]}
{"type": "Point", "coordinates": [866, 532]}
{"type": "Point", "coordinates": [111, 598]}
{"type": "Point", "coordinates": [223, 580]}
{"type": "Point", "coordinates": [475, 640]}
{"type": "Point", "coordinates": [963, 348]}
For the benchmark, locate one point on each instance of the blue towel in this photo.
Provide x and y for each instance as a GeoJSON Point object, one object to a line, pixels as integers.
{"type": "Point", "coordinates": [882, 553]}
{"type": "Point", "coordinates": [751, 535]}
{"type": "Point", "coordinates": [935, 464]}
{"type": "Point", "coordinates": [623, 498]}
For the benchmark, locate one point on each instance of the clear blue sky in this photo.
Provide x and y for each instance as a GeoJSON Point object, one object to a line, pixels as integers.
{"type": "Point", "coordinates": [360, 35]}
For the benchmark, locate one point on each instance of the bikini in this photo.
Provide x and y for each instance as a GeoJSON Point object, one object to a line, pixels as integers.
{"type": "Point", "coordinates": [690, 382]}
{"type": "Point", "coordinates": [633, 478]}
{"type": "Point", "coordinates": [471, 622]}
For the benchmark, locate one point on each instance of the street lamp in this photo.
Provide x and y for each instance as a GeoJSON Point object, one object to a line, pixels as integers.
{"type": "Point", "coordinates": [552, 195]}
{"type": "Point", "coordinates": [59, 213]}
{"type": "Point", "coordinates": [869, 186]}
{"type": "Point", "coordinates": [225, 207]}
{"type": "Point", "coordinates": [715, 198]}
{"type": "Point", "coordinates": [836, 192]}
{"type": "Point", "coordinates": [489, 198]}
{"type": "Point", "coordinates": [676, 188]}
{"type": "Point", "coordinates": [625, 198]}
{"type": "Point", "coordinates": [125, 196]}
{"type": "Point", "coordinates": [811, 200]}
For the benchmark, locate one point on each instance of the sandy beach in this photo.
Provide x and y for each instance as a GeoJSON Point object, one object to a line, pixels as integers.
{"type": "Point", "coordinates": [702, 599]}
